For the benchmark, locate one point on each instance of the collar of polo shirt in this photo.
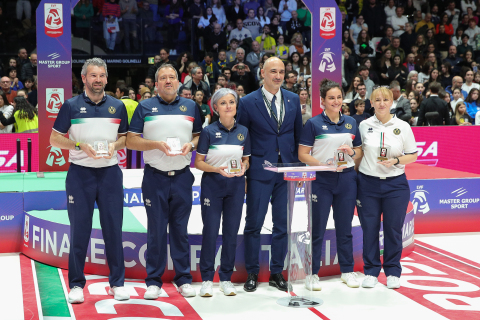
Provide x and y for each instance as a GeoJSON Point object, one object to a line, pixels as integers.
{"type": "Point", "coordinates": [221, 126]}
{"type": "Point", "coordinates": [177, 98]}
{"type": "Point", "coordinates": [87, 99]}
{"type": "Point", "coordinates": [390, 122]}
{"type": "Point", "coordinates": [341, 119]}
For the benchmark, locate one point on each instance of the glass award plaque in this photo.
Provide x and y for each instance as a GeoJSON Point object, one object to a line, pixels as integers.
{"type": "Point", "coordinates": [383, 153]}
{"type": "Point", "coordinates": [234, 165]}
{"type": "Point", "coordinates": [340, 157]}
{"type": "Point", "coordinates": [175, 145]}
{"type": "Point", "coordinates": [101, 148]}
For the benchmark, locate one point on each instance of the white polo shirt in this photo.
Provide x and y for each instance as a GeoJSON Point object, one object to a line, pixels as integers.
{"type": "Point", "coordinates": [395, 135]}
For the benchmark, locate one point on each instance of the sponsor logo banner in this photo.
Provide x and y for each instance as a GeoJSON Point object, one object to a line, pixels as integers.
{"type": "Point", "coordinates": [8, 152]}
{"type": "Point", "coordinates": [55, 99]}
{"type": "Point", "coordinates": [53, 19]}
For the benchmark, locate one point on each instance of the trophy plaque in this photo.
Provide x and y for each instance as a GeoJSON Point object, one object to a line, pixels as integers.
{"type": "Point", "coordinates": [234, 165]}
{"type": "Point", "coordinates": [101, 148]}
{"type": "Point", "coordinates": [174, 144]}
{"type": "Point", "coordinates": [340, 157]}
{"type": "Point", "coordinates": [382, 153]}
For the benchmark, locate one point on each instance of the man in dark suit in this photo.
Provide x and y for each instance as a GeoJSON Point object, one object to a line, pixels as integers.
{"type": "Point", "coordinates": [401, 106]}
{"type": "Point", "coordinates": [361, 94]}
{"type": "Point", "coordinates": [434, 104]}
{"type": "Point", "coordinates": [274, 121]}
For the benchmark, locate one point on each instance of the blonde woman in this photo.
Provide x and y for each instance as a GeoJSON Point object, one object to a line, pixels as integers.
{"type": "Point", "coordinates": [461, 118]}
{"type": "Point", "coordinates": [297, 45]}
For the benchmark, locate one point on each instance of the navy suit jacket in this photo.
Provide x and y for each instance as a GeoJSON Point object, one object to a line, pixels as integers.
{"type": "Point", "coordinates": [265, 139]}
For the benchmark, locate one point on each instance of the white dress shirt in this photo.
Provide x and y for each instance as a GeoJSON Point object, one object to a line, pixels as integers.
{"type": "Point", "coordinates": [269, 97]}
{"type": "Point", "coordinates": [398, 138]}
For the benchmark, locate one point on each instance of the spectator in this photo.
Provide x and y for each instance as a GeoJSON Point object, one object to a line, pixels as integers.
{"type": "Point", "coordinates": [196, 11]}
{"type": "Point", "coordinates": [250, 5]}
{"type": "Point", "coordinates": [453, 59]}
{"type": "Point", "coordinates": [430, 38]}
{"type": "Point", "coordinates": [182, 63]}
{"type": "Point", "coordinates": [240, 58]}
{"type": "Point", "coordinates": [275, 28]}
{"type": "Point", "coordinates": [434, 104]}
{"type": "Point", "coordinates": [471, 14]}
{"type": "Point", "coordinates": [219, 12]}
{"type": "Point", "coordinates": [285, 8]}
{"type": "Point", "coordinates": [362, 94]}
{"type": "Point", "coordinates": [401, 105]}
{"type": "Point", "coordinates": [457, 96]}
{"type": "Point", "coordinates": [15, 83]}
{"type": "Point", "coordinates": [254, 56]}
{"type": "Point", "coordinates": [207, 18]}
{"type": "Point", "coordinates": [423, 76]}
{"type": "Point", "coordinates": [457, 82]}
{"type": "Point", "coordinates": [197, 83]}
{"type": "Point", "coordinates": [24, 6]}
{"type": "Point", "coordinates": [164, 59]}
{"type": "Point", "coordinates": [150, 83]}
{"type": "Point", "coordinates": [266, 41]}
{"type": "Point", "coordinates": [396, 49]}
{"type": "Point", "coordinates": [420, 44]}
{"type": "Point", "coordinates": [385, 63]}
{"type": "Point", "coordinates": [461, 117]}
{"type": "Point", "coordinates": [453, 14]}
{"type": "Point", "coordinates": [123, 93]}
{"type": "Point", "coordinates": [22, 58]}
{"type": "Point", "coordinates": [356, 28]}
{"type": "Point", "coordinates": [434, 76]}
{"type": "Point", "coordinates": [359, 114]}
{"type": "Point", "coordinates": [270, 9]}
{"type": "Point", "coordinates": [24, 117]}
{"type": "Point", "coordinates": [364, 73]}
{"type": "Point", "coordinates": [397, 71]}
{"type": "Point", "coordinates": [29, 69]}
{"type": "Point", "coordinates": [240, 91]}
{"type": "Point", "coordinates": [473, 103]}
{"type": "Point", "coordinates": [352, 90]}
{"type": "Point", "coordinates": [468, 60]}
{"type": "Point", "coordinates": [425, 24]}
{"type": "Point", "coordinates": [432, 57]}
{"type": "Point", "coordinates": [385, 42]}
{"type": "Point", "coordinates": [111, 13]}
{"type": "Point", "coordinates": [398, 22]}
{"type": "Point", "coordinates": [457, 39]}
{"type": "Point", "coordinates": [291, 78]}
{"type": "Point", "coordinates": [5, 84]}
{"type": "Point", "coordinates": [349, 44]}
{"type": "Point", "coordinates": [32, 96]}
{"type": "Point", "coordinates": [233, 51]}
{"type": "Point", "coordinates": [305, 18]}
{"type": "Point", "coordinates": [7, 110]}
{"type": "Point", "coordinates": [240, 33]}
{"type": "Point", "coordinates": [145, 21]}
{"type": "Point", "coordinates": [472, 31]}
{"type": "Point", "coordinates": [282, 49]}
{"type": "Point", "coordinates": [410, 86]}
{"type": "Point", "coordinates": [222, 81]}
{"type": "Point", "coordinates": [222, 59]}
{"type": "Point", "coordinates": [305, 104]}
{"type": "Point", "coordinates": [364, 47]}
{"type": "Point", "coordinates": [445, 21]}
{"type": "Point", "coordinates": [204, 109]}
{"type": "Point", "coordinates": [243, 76]}
{"type": "Point", "coordinates": [446, 75]}
{"type": "Point", "coordinates": [227, 72]}
{"type": "Point", "coordinates": [305, 69]}
{"type": "Point", "coordinates": [262, 17]}
{"type": "Point", "coordinates": [390, 10]}
{"type": "Point", "coordinates": [252, 24]}
{"type": "Point", "coordinates": [293, 26]}
{"type": "Point", "coordinates": [210, 68]}
{"type": "Point", "coordinates": [443, 41]}
{"type": "Point", "coordinates": [434, 12]}
{"type": "Point", "coordinates": [83, 13]}
{"type": "Point", "coordinates": [297, 45]}
{"type": "Point", "coordinates": [29, 85]}
{"type": "Point", "coordinates": [131, 94]}
{"type": "Point", "coordinates": [145, 94]}
{"type": "Point", "coordinates": [235, 12]}
{"type": "Point", "coordinates": [464, 46]}
{"type": "Point", "coordinates": [414, 105]}
{"type": "Point", "coordinates": [295, 60]}
{"type": "Point", "coordinates": [465, 4]}
{"type": "Point", "coordinates": [410, 63]}
{"type": "Point", "coordinates": [469, 84]}
{"type": "Point", "coordinates": [216, 40]}
{"type": "Point", "coordinates": [374, 16]}
{"type": "Point", "coordinates": [129, 11]}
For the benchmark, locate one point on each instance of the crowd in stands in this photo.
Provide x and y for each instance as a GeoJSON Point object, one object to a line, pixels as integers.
{"type": "Point", "coordinates": [420, 49]}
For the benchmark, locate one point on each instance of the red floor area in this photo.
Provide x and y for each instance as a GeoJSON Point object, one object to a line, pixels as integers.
{"type": "Point", "coordinates": [416, 171]}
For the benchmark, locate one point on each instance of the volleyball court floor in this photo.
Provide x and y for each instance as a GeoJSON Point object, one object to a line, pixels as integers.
{"type": "Point", "coordinates": [440, 280]}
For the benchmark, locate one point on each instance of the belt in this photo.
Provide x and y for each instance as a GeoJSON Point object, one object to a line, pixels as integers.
{"type": "Point", "coordinates": [383, 178]}
{"type": "Point", "coordinates": [166, 173]}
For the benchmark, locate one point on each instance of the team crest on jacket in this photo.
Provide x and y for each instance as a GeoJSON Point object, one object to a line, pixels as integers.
{"type": "Point", "coordinates": [348, 126]}
{"type": "Point", "coordinates": [240, 137]}
{"type": "Point", "coordinates": [183, 108]}
{"type": "Point", "coordinates": [396, 131]}
{"type": "Point", "coordinates": [112, 109]}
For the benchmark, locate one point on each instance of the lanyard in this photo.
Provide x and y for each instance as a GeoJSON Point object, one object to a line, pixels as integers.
{"type": "Point", "coordinates": [269, 106]}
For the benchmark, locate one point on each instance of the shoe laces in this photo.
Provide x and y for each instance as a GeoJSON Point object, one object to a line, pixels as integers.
{"type": "Point", "coordinates": [393, 278]}
{"type": "Point", "coordinates": [227, 284]}
{"type": "Point", "coordinates": [315, 277]}
{"type": "Point", "coordinates": [153, 288]}
{"type": "Point", "coordinates": [351, 275]}
{"type": "Point", "coordinates": [369, 277]}
{"type": "Point", "coordinates": [207, 283]}
{"type": "Point", "coordinates": [186, 286]}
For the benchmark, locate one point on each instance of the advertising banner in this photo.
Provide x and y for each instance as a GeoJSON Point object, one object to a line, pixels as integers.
{"type": "Point", "coordinates": [54, 76]}
{"type": "Point", "coordinates": [448, 147]}
{"type": "Point", "coordinates": [8, 151]}
{"type": "Point", "coordinates": [326, 46]}
{"type": "Point", "coordinates": [11, 221]}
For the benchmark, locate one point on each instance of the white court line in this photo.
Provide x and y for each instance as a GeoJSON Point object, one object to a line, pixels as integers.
{"type": "Point", "coordinates": [11, 297]}
{"type": "Point", "coordinates": [37, 293]}
{"type": "Point", "coordinates": [447, 265]}
{"type": "Point", "coordinates": [65, 291]}
{"type": "Point", "coordinates": [468, 264]}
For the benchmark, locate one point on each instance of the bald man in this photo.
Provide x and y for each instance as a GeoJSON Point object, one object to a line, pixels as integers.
{"type": "Point", "coordinates": [274, 121]}
{"type": "Point", "coordinates": [457, 82]}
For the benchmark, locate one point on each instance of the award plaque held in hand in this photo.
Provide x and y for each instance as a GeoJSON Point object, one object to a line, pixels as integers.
{"type": "Point", "coordinates": [383, 153]}
{"type": "Point", "coordinates": [101, 148]}
{"type": "Point", "coordinates": [174, 144]}
{"type": "Point", "coordinates": [339, 157]}
{"type": "Point", "coordinates": [234, 165]}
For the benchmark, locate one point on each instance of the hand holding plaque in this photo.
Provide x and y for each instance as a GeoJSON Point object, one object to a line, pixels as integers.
{"type": "Point", "coordinates": [175, 145]}
{"type": "Point", "coordinates": [101, 148]}
{"type": "Point", "coordinates": [340, 157]}
{"type": "Point", "coordinates": [234, 165]}
{"type": "Point", "coordinates": [383, 153]}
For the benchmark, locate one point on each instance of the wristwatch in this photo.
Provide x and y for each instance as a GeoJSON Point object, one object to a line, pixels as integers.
{"type": "Point", "coordinates": [398, 160]}
{"type": "Point", "coordinates": [353, 155]}
{"type": "Point", "coordinates": [193, 146]}
{"type": "Point", "coordinates": [77, 146]}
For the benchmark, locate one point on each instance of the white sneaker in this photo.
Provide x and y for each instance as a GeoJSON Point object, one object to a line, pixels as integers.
{"type": "Point", "coordinates": [369, 281]}
{"type": "Point", "coordinates": [227, 288]}
{"type": "Point", "coordinates": [207, 289]}
{"type": "Point", "coordinates": [75, 295]}
{"type": "Point", "coordinates": [186, 290]}
{"type": "Point", "coordinates": [312, 283]}
{"type": "Point", "coordinates": [119, 293]}
{"type": "Point", "coordinates": [152, 293]}
{"type": "Point", "coordinates": [393, 282]}
{"type": "Point", "coordinates": [350, 279]}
